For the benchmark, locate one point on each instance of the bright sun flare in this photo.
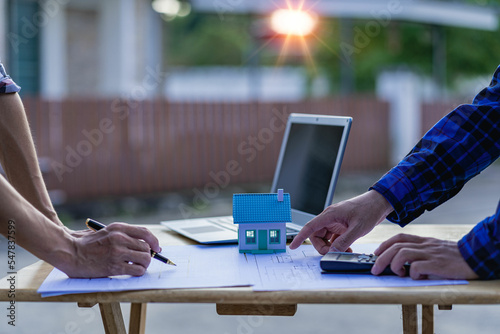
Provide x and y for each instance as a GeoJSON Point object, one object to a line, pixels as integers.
{"type": "Point", "coordinates": [292, 22]}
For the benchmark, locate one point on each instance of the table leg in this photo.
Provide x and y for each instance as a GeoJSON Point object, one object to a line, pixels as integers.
{"type": "Point", "coordinates": [112, 318]}
{"type": "Point", "coordinates": [410, 325]}
{"type": "Point", "coordinates": [427, 319]}
{"type": "Point", "coordinates": [137, 323]}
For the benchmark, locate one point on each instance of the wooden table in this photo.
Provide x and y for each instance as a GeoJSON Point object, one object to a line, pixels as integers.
{"type": "Point", "coordinates": [244, 301]}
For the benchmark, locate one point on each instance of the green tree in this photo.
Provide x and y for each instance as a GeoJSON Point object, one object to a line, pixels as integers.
{"type": "Point", "coordinates": [201, 40]}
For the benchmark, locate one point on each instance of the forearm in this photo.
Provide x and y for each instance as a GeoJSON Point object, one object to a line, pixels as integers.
{"type": "Point", "coordinates": [18, 156]}
{"type": "Point", "coordinates": [480, 247]}
{"type": "Point", "coordinates": [33, 231]}
{"type": "Point", "coordinates": [119, 249]}
{"type": "Point", "coordinates": [457, 148]}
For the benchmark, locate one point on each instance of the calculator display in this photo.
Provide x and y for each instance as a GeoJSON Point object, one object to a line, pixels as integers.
{"type": "Point", "coordinates": [347, 257]}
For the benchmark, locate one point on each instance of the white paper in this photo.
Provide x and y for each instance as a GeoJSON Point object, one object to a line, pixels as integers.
{"type": "Point", "coordinates": [197, 267]}
{"type": "Point", "coordinates": [224, 266]}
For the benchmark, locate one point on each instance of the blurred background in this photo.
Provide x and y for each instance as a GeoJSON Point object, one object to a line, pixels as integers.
{"type": "Point", "coordinates": [137, 105]}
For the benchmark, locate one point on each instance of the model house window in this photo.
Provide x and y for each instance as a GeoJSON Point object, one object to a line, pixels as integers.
{"type": "Point", "coordinates": [274, 236]}
{"type": "Point", "coordinates": [250, 236]}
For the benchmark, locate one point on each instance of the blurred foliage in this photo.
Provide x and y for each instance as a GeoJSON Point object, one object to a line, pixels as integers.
{"type": "Point", "coordinates": [208, 40]}
{"type": "Point", "coordinates": [200, 40]}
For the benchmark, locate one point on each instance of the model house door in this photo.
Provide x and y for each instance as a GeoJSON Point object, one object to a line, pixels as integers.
{"type": "Point", "coordinates": [262, 239]}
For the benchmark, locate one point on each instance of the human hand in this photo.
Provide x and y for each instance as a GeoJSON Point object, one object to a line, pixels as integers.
{"type": "Point", "coordinates": [428, 257]}
{"type": "Point", "coordinates": [78, 233]}
{"type": "Point", "coordinates": [339, 225]}
{"type": "Point", "coordinates": [118, 249]}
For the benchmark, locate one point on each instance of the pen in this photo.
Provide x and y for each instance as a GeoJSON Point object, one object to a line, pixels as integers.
{"type": "Point", "coordinates": [96, 226]}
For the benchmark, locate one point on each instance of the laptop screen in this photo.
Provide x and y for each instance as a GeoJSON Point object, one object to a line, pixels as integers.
{"type": "Point", "coordinates": [308, 166]}
{"type": "Point", "coordinates": [310, 162]}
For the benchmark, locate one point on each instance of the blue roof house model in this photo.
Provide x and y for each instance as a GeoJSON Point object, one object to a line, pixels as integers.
{"type": "Point", "coordinates": [262, 221]}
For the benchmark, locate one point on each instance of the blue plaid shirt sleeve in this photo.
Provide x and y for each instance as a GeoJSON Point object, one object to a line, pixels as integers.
{"type": "Point", "coordinates": [457, 148]}
{"type": "Point", "coordinates": [7, 85]}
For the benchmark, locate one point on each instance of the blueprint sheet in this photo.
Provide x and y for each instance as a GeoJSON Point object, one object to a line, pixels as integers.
{"type": "Point", "coordinates": [224, 266]}
{"type": "Point", "coordinates": [299, 270]}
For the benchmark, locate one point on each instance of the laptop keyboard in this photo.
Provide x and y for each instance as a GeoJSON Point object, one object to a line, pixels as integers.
{"type": "Point", "coordinates": [227, 223]}
{"type": "Point", "coordinates": [224, 222]}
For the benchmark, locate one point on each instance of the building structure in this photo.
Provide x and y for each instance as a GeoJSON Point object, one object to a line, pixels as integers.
{"type": "Point", "coordinates": [262, 221]}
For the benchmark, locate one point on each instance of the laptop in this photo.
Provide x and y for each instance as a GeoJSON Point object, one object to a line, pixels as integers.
{"type": "Point", "coordinates": [308, 167]}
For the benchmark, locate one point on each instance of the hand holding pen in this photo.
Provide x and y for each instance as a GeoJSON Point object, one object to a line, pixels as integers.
{"type": "Point", "coordinates": [117, 249]}
{"type": "Point", "coordinates": [96, 226]}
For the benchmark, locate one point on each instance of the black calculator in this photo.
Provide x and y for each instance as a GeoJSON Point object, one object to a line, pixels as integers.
{"type": "Point", "coordinates": [352, 263]}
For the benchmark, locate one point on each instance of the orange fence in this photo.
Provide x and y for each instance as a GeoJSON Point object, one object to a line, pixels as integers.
{"type": "Point", "coordinates": [115, 147]}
